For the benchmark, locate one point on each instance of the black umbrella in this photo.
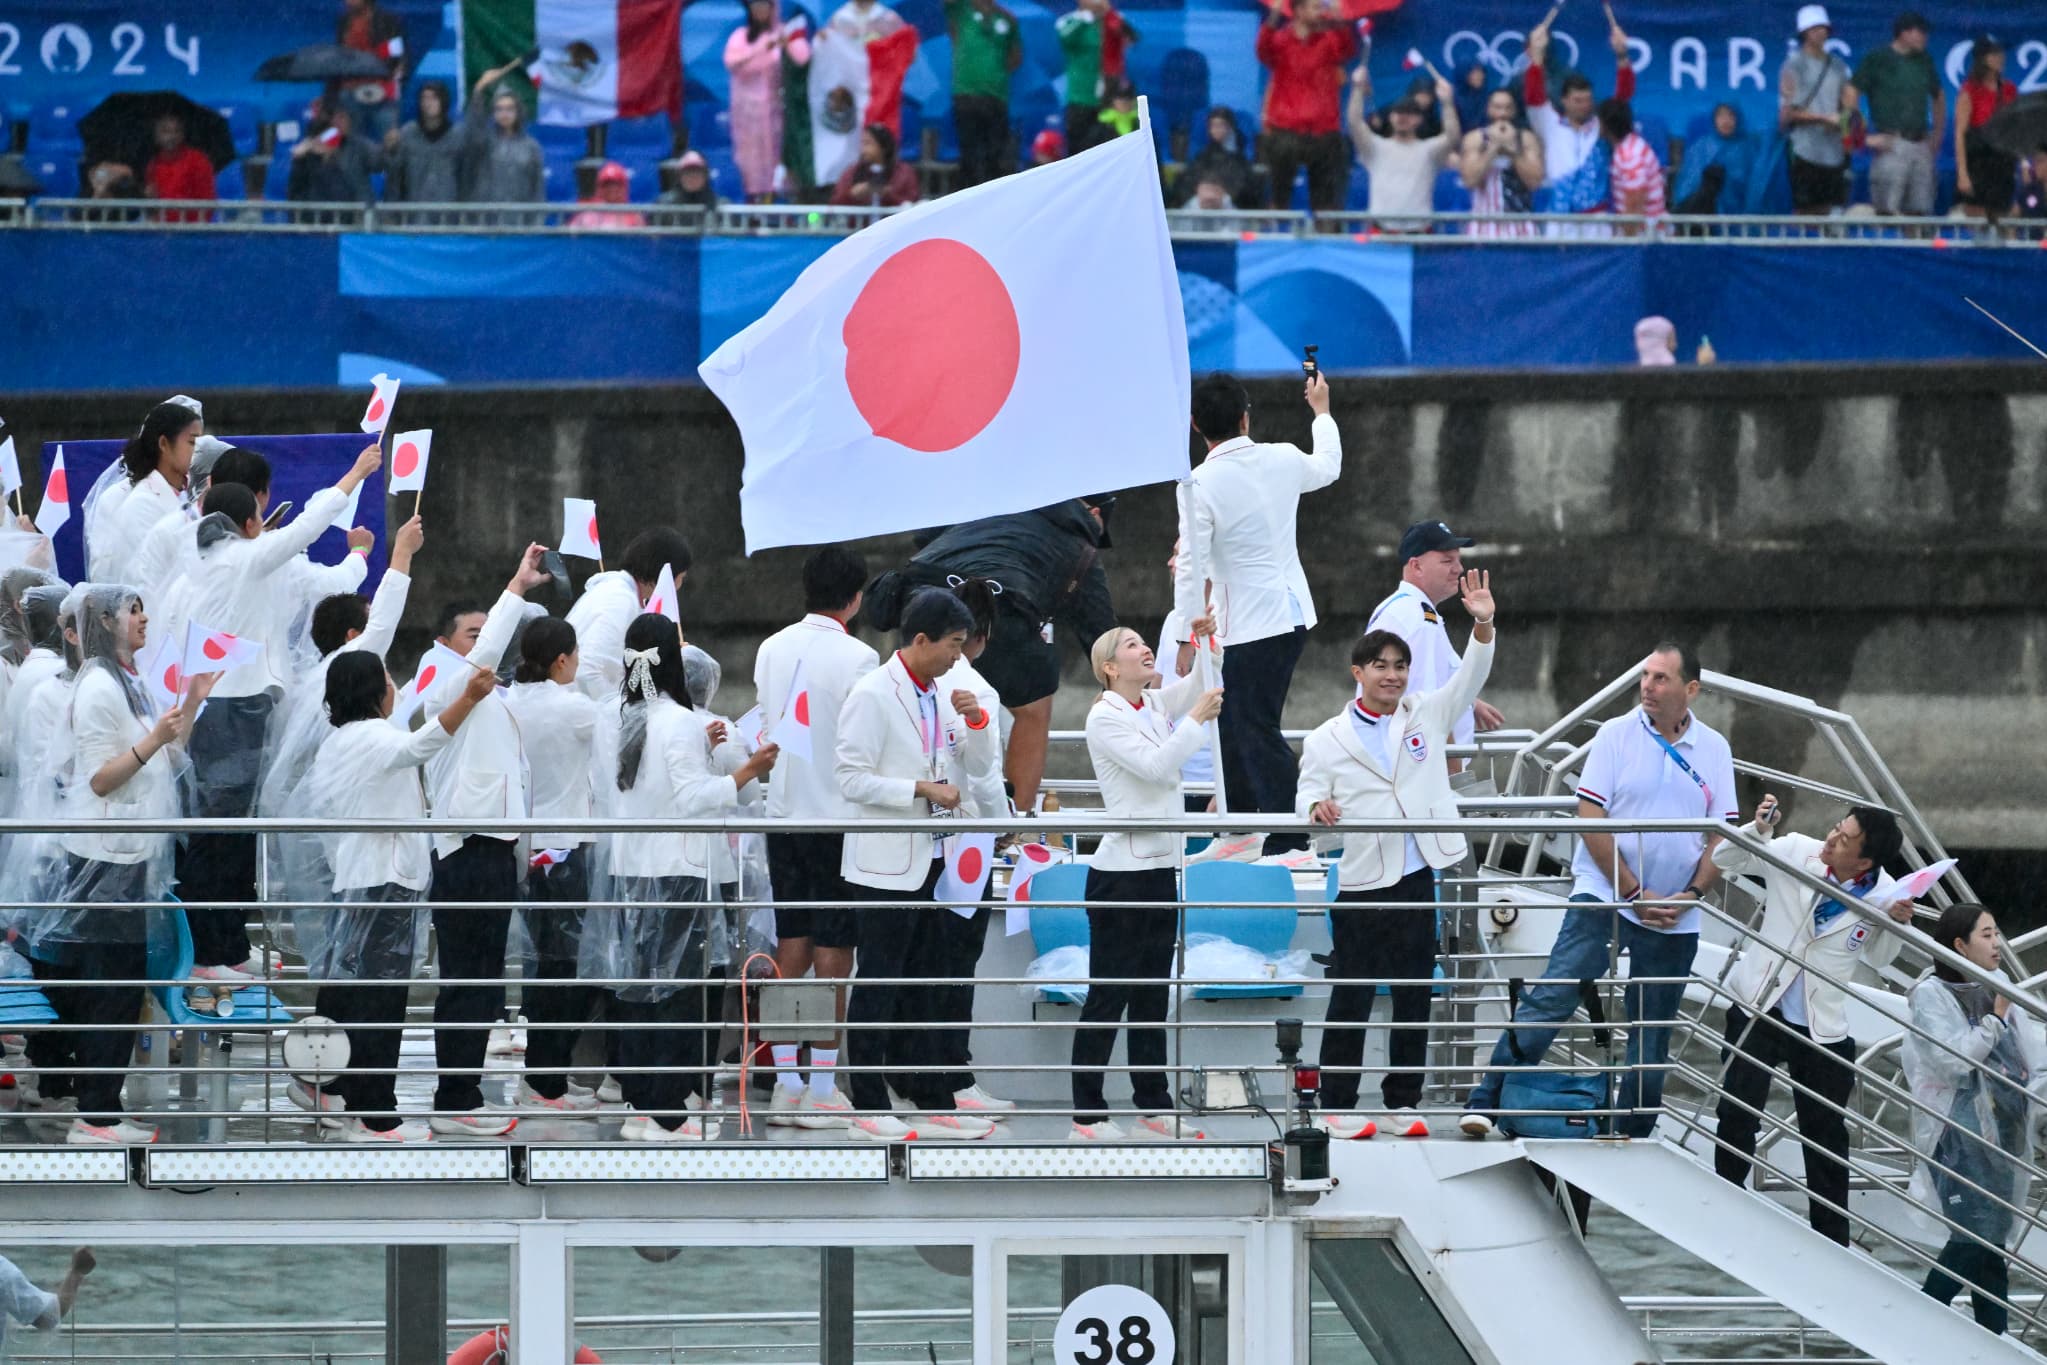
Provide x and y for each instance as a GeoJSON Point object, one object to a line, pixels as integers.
{"type": "Point", "coordinates": [15, 181]}
{"type": "Point", "coordinates": [123, 128]}
{"type": "Point", "coordinates": [323, 62]}
{"type": "Point", "coordinates": [2019, 128]}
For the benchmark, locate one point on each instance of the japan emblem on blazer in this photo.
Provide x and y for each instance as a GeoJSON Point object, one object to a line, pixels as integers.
{"type": "Point", "coordinates": [1417, 747]}
{"type": "Point", "coordinates": [1858, 935]}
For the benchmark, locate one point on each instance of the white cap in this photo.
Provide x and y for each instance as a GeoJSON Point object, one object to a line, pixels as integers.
{"type": "Point", "coordinates": [1813, 16]}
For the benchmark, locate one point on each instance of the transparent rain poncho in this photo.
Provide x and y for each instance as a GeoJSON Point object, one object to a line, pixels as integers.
{"type": "Point", "coordinates": [738, 862]}
{"type": "Point", "coordinates": [558, 729]}
{"type": "Point", "coordinates": [73, 885]}
{"type": "Point", "coordinates": [1989, 1124]}
{"type": "Point", "coordinates": [30, 600]}
{"type": "Point", "coordinates": [666, 926]}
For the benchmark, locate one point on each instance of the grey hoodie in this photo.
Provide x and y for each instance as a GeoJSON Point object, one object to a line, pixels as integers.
{"type": "Point", "coordinates": [499, 168]}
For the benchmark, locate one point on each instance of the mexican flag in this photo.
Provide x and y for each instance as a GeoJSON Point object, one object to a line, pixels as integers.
{"type": "Point", "coordinates": [857, 65]}
{"type": "Point", "coordinates": [598, 59]}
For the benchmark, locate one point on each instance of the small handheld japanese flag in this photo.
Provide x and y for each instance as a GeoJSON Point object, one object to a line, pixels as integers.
{"type": "Point", "coordinates": [1414, 60]}
{"type": "Point", "coordinates": [216, 651]}
{"type": "Point", "coordinates": [1031, 859]}
{"type": "Point", "coordinates": [1914, 885]}
{"type": "Point", "coordinates": [969, 861]}
{"type": "Point", "coordinates": [792, 731]}
{"type": "Point", "coordinates": [751, 728]}
{"type": "Point", "coordinates": [409, 451]}
{"type": "Point", "coordinates": [56, 508]}
{"type": "Point", "coordinates": [663, 602]}
{"type": "Point", "coordinates": [579, 529]}
{"type": "Point", "coordinates": [383, 397]}
{"type": "Point", "coordinates": [435, 666]}
{"type": "Point", "coordinates": [10, 469]}
{"type": "Point", "coordinates": [346, 520]}
{"type": "Point", "coordinates": [159, 667]}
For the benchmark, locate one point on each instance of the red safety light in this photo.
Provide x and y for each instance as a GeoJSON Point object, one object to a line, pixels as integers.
{"type": "Point", "coordinates": [1307, 1078]}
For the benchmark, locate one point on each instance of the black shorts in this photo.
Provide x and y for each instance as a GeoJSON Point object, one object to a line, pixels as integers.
{"type": "Point", "coordinates": [1814, 186]}
{"type": "Point", "coordinates": [805, 868]}
{"type": "Point", "coordinates": [1019, 664]}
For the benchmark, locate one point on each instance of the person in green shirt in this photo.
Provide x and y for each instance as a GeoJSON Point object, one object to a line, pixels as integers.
{"type": "Point", "coordinates": [1093, 37]}
{"type": "Point", "coordinates": [986, 47]}
{"type": "Point", "coordinates": [1907, 113]}
{"type": "Point", "coordinates": [1120, 115]}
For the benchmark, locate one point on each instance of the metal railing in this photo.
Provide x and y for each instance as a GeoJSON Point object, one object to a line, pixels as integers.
{"type": "Point", "coordinates": [1429, 229]}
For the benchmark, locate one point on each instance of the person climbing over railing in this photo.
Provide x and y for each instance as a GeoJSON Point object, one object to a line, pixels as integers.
{"type": "Point", "coordinates": [1781, 1014]}
{"type": "Point", "coordinates": [1973, 1064]}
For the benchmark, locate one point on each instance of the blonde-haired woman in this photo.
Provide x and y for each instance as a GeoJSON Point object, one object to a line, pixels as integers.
{"type": "Point", "coordinates": [1133, 883]}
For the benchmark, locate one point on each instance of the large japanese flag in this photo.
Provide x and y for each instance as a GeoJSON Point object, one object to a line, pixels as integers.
{"type": "Point", "coordinates": [599, 59]}
{"type": "Point", "coordinates": [992, 351]}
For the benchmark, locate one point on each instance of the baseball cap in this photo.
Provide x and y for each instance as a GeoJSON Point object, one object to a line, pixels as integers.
{"type": "Point", "coordinates": [692, 161]}
{"type": "Point", "coordinates": [611, 172]}
{"type": "Point", "coordinates": [1424, 536]}
{"type": "Point", "coordinates": [1812, 16]}
{"type": "Point", "coordinates": [1048, 145]}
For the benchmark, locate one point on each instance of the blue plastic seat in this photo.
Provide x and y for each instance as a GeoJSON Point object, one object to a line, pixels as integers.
{"type": "Point", "coordinates": [170, 960]}
{"type": "Point", "coordinates": [241, 123]}
{"type": "Point", "coordinates": [228, 182]}
{"type": "Point", "coordinates": [56, 120]}
{"type": "Point", "coordinates": [1263, 928]}
{"type": "Point", "coordinates": [57, 171]}
{"type": "Point", "coordinates": [22, 1002]}
{"type": "Point", "coordinates": [1059, 926]}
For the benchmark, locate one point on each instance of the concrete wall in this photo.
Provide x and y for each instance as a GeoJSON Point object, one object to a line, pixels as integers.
{"type": "Point", "coordinates": [1869, 538]}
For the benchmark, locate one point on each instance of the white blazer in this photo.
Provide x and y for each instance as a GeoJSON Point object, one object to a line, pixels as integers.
{"type": "Point", "coordinates": [481, 773]}
{"type": "Point", "coordinates": [880, 758]}
{"type": "Point", "coordinates": [1237, 516]}
{"type": "Point", "coordinates": [832, 662]}
{"type": "Point", "coordinates": [1336, 767]}
{"type": "Point", "coordinates": [677, 780]}
{"type": "Point", "coordinates": [610, 603]}
{"type": "Point", "coordinates": [1138, 752]}
{"type": "Point", "coordinates": [1762, 975]}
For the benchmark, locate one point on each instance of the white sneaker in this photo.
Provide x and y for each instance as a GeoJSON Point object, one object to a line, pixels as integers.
{"type": "Point", "coordinates": [223, 976]}
{"type": "Point", "coordinates": [1299, 860]}
{"type": "Point", "coordinates": [576, 1087]}
{"type": "Point", "coordinates": [785, 1110]}
{"type": "Point", "coordinates": [946, 1125]}
{"type": "Point", "coordinates": [609, 1093]}
{"type": "Point", "coordinates": [1165, 1128]}
{"type": "Point", "coordinates": [507, 1040]}
{"type": "Point", "coordinates": [1347, 1127]}
{"type": "Point", "coordinates": [882, 1128]}
{"type": "Point", "coordinates": [526, 1097]}
{"type": "Point", "coordinates": [1101, 1130]}
{"type": "Point", "coordinates": [122, 1134]}
{"type": "Point", "coordinates": [1405, 1122]}
{"type": "Point", "coordinates": [410, 1131]}
{"type": "Point", "coordinates": [631, 1129]}
{"type": "Point", "coordinates": [475, 1123]}
{"type": "Point", "coordinates": [1230, 848]}
{"type": "Point", "coordinates": [650, 1131]}
{"type": "Point", "coordinates": [1475, 1124]}
{"type": "Point", "coordinates": [828, 1111]}
{"type": "Point", "coordinates": [975, 1100]}
{"type": "Point", "coordinates": [263, 963]}
{"type": "Point", "coordinates": [316, 1102]}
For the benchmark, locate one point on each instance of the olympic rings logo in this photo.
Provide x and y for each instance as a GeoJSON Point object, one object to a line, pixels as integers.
{"type": "Point", "coordinates": [1496, 53]}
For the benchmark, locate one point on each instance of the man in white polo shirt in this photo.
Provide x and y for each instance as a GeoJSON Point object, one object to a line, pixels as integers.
{"type": "Point", "coordinates": [1657, 762]}
{"type": "Point", "coordinates": [1237, 517]}
{"type": "Point", "coordinates": [1431, 564]}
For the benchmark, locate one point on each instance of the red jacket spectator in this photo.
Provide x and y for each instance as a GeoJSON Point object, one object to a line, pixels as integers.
{"type": "Point", "coordinates": [1305, 95]}
{"type": "Point", "coordinates": [182, 173]}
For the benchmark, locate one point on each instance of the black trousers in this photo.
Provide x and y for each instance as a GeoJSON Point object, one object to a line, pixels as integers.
{"type": "Point", "coordinates": [981, 123]}
{"type": "Point", "coordinates": [675, 1050]}
{"type": "Point", "coordinates": [1083, 127]}
{"type": "Point", "coordinates": [472, 945]}
{"type": "Point", "coordinates": [1373, 944]}
{"type": "Point", "coordinates": [1963, 1260]}
{"type": "Point", "coordinates": [73, 990]}
{"type": "Point", "coordinates": [1327, 157]}
{"type": "Point", "coordinates": [217, 872]}
{"type": "Point", "coordinates": [1259, 767]}
{"type": "Point", "coordinates": [897, 941]}
{"type": "Point", "coordinates": [1760, 1047]}
{"type": "Point", "coordinates": [959, 941]}
{"type": "Point", "coordinates": [1134, 941]}
{"type": "Point", "coordinates": [555, 1003]}
{"type": "Point", "coordinates": [360, 1007]}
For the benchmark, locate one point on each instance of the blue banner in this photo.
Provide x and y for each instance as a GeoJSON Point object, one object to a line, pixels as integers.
{"type": "Point", "coordinates": [60, 55]}
{"type": "Point", "coordinates": [300, 466]}
{"type": "Point", "coordinates": [601, 309]}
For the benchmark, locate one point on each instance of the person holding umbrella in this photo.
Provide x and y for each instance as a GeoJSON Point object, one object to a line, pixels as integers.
{"type": "Point", "coordinates": [178, 170]}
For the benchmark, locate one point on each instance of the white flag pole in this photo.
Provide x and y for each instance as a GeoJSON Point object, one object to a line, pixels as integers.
{"type": "Point", "coordinates": [1204, 648]}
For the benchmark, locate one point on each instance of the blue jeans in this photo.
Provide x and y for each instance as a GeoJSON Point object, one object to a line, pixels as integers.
{"type": "Point", "coordinates": [1583, 949]}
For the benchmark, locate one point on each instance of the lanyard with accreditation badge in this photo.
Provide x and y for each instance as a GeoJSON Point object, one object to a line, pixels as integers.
{"type": "Point", "coordinates": [1679, 759]}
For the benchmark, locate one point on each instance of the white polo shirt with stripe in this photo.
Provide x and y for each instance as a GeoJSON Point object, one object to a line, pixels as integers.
{"type": "Point", "coordinates": [1629, 774]}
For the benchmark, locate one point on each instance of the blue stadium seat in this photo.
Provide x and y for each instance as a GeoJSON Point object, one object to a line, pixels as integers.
{"type": "Point", "coordinates": [629, 138]}
{"type": "Point", "coordinates": [913, 129]}
{"type": "Point", "coordinates": [57, 170]}
{"type": "Point", "coordinates": [228, 182]}
{"type": "Point", "coordinates": [710, 125]}
{"type": "Point", "coordinates": [1059, 926]}
{"type": "Point", "coordinates": [1451, 196]}
{"type": "Point", "coordinates": [241, 124]}
{"type": "Point", "coordinates": [1266, 929]}
{"type": "Point", "coordinates": [1357, 197]}
{"type": "Point", "coordinates": [56, 120]}
{"type": "Point", "coordinates": [277, 184]}
{"type": "Point", "coordinates": [725, 175]}
{"type": "Point", "coordinates": [22, 1001]}
{"type": "Point", "coordinates": [555, 140]}
{"type": "Point", "coordinates": [560, 170]}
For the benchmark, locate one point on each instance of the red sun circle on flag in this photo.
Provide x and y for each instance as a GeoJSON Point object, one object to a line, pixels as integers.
{"type": "Point", "coordinates": [213, 648]}
{"type": "Point", "coordinates": [802, 708]}
{"type": "Point", "coordinates": [405, 459]}
{"type": "Point", "coordinates": [970, 868]}
{"type": "Point", "coordinates": [932, 346]}
{"type": "Point", "coordinates": [376, 412]}
{"type": "Point", "coordinates": [59, 487]}
{"type": "Point", "coordinates": [1036, 853]}
{"type": "Point", "coordinates": [426, 678]}
{"type": "Point", "coordinates": [593, 530]}
{"type": "Point", "coordinates": [171, 679]}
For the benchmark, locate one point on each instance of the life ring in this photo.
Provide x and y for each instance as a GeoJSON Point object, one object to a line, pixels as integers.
{"type": "Point", "coordinates": [494, 1348]}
